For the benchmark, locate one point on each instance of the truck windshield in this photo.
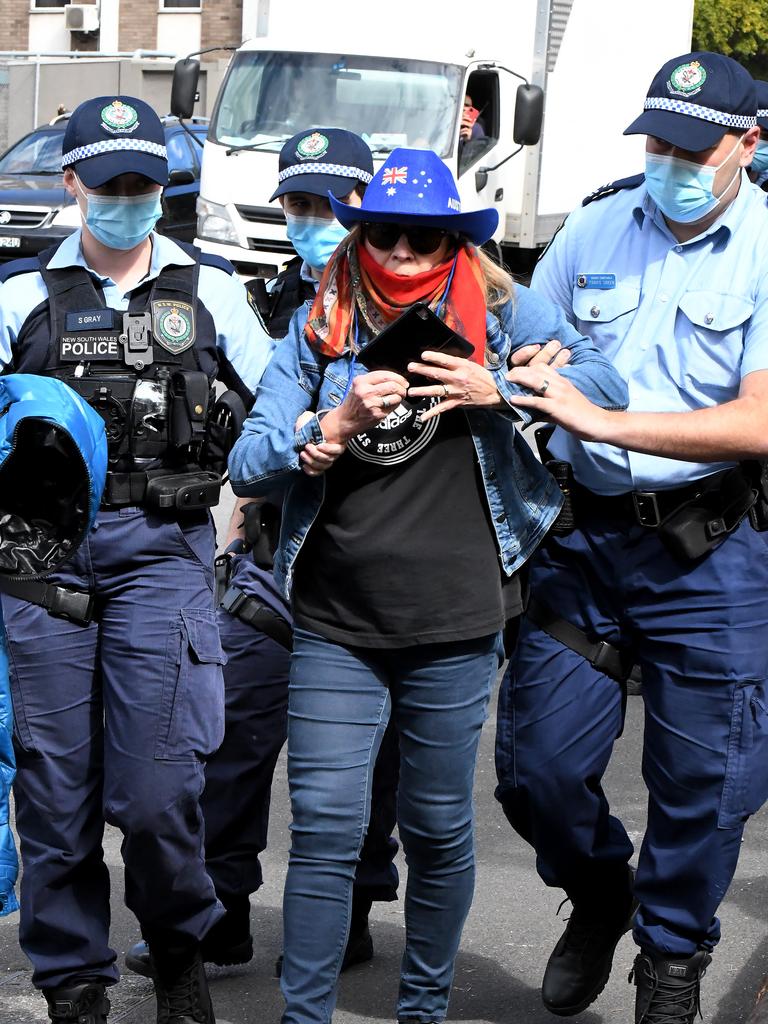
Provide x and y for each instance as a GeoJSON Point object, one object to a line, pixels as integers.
{"type": "Point", "coordinates": [269, 96]}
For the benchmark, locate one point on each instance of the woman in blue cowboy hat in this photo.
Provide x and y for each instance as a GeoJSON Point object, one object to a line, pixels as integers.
{"type": "Point", "coordinates": [408, 512]}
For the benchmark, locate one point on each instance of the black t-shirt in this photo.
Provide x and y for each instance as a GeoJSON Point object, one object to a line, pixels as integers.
{"type": "Point", "coordinates": [403, 551]}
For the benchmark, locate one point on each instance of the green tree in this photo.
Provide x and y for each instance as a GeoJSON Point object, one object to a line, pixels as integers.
{"type": "Point", "coordinates": [738, 28]}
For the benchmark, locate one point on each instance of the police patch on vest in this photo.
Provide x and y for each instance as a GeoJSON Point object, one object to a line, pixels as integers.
{"type": "Point", "coordinates": [173, 325]}
{"type": "Point", "coordinates": [89, 345]}
{"type": "Point", "coordinates": [398, 437]}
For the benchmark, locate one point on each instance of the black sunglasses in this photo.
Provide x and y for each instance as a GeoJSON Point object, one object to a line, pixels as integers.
{"type": "Point", "coordinates": [422, 240]}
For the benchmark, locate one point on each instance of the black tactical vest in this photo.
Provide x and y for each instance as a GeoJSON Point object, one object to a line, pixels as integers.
{"type": "Point", "coordinates": [288, 293]}
{"type": "Point", "coordinates": [130, 366]}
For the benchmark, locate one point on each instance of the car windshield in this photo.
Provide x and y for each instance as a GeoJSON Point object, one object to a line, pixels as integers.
{"type": "Point", "coordinates": [38, 153]}
{"type": "Point", "coordinates": [269, 96]}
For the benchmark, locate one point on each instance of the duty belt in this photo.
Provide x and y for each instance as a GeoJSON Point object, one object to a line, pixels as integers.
{"type": "Point", "coordinates": [646, 508]}
{"type": "Point", "coordinates": [250, 610]}
{"type": "Point", "coordinates": [162, 489]}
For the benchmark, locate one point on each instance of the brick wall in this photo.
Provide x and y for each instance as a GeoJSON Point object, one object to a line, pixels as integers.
{"type": "Point", "coordinates": [138, 25]}
{"type": "Point", "coordinates": [222, 25]}
{"type": "Point", "coordinates": [14, 25]}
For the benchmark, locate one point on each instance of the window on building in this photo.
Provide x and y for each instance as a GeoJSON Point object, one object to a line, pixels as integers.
{"type": "Point", "coordinates": [49, 3]}
{"type": "Point", "coordinates": [171, 5]}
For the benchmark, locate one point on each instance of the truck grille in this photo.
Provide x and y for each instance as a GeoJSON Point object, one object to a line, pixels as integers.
{"type": "Point", "coordinates": [22, 217]}
{"type": "Point", "coordinates": [265, 214]}
{"type": "Point", "coordinates": [271, 245]}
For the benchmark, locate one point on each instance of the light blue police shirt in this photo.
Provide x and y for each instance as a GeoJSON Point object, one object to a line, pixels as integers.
{"type": "Point", "coordinates": [239, 332]}
{"type": "Point", "coordinates": [682, 322]}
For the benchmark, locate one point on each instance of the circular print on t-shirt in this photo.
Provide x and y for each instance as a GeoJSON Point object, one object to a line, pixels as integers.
{"type": "Point", "coordinates": [399, 436]}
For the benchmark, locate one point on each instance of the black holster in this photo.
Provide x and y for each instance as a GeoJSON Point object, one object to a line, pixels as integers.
{"type": "Point", "coordinates": [563, 475]}
{"type": "Point", "coordinates": [702, 523]}
{"type": "Point", "coordinates": [757, 474]}
{"type": "Point", "coordinates": [261, 524]}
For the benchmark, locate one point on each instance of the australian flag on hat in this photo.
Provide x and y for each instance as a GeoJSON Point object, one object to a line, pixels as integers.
{"type": "Point", "coordinates": [415, 186]}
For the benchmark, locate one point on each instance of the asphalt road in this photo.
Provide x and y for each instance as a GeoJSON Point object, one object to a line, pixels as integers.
{"type": "Point", "coordinates": [510, 932]}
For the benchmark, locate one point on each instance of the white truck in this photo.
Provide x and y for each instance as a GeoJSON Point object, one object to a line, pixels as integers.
{"type": "Point", "coordinates": [398, 73]}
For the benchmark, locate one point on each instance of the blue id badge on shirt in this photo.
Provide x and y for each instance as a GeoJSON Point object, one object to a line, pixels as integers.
{"type": "Point", "coordinates": [596, 281]}
{"type": "Point", "coordinates": [91, 320]}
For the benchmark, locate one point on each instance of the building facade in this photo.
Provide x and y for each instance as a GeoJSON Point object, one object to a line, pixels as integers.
{"type": "Point", "coordinates": [175, 27]}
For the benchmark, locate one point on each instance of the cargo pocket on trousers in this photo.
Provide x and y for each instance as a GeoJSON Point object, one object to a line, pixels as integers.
{"type": "Point", "coordinates": [191, 721]}
{"type": "Point", "coordinates": [745, 788]}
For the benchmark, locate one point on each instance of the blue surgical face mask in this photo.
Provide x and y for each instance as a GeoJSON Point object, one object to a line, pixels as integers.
{"type": "Point", "coordinates": [314, 238]}
{"type": "Point", "coordinates": [682, 189]}
{"type": "Point", "coordinates": [760, 158]}
{"type": "Point", "coordinates": [121, 222]}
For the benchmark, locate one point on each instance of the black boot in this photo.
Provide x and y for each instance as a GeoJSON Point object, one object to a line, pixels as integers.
{"type": "Point", "coordinates": [229, 942]}
{"type": "Point", "coordinates": [580, 964]}
{"type": "Point", "coordinates": [359, 944]}
{"type": "Point", "coordinates": [86, 1003]}
{"type": "Point", "coordinates": [181, 986]}
{"type": "Point", "coordinates": [668, 986]}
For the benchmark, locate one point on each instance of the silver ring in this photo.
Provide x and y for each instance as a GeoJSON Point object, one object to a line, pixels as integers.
{"type": "Point", "coordinates": [384, 402]}
{"type": "Point", "coordinates": [543, 389]}
{"type": "Point", "coordinates": [446, 392]}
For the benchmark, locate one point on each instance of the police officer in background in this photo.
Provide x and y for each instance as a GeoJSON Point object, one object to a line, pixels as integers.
{"type": "Point", "coordinates": [758, 172]}
{"type": "Point", "coordinates": [115, 713]}
{"type": "Point", "coordinates": [664, 563]}
{"type": "Point", "coordinates": [255, 620]}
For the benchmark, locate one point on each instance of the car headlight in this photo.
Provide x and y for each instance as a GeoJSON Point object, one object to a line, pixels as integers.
{"type": "Point", "coordinates": [67, 217]}
{"type": "Point", "coordinates": [214, 223]}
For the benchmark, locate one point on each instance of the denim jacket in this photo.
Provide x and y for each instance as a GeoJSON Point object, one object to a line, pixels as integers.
{"type": "Point", "coordinates": [522, 496]}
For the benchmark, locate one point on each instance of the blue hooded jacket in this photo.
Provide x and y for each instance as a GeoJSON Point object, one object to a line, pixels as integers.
{"type": "Point", "coordinates": [53, 462]}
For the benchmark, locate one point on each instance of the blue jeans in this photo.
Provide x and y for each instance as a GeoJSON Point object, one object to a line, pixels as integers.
{"type": "Point", "coordinates": [340, 701]}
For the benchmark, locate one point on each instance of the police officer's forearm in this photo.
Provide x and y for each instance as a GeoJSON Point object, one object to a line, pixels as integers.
{"type": "Point", "coordinates": [735, 430]}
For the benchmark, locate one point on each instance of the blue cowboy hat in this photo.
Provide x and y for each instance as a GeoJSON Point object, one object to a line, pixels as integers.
{"type": "Point", "coordinates": [415, 187]}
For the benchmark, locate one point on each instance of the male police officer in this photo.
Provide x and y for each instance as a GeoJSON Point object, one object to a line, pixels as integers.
{"type": "Point", "coordinates": [758, 172]}
{"type": "Point", "coordinates": [115, 716]}
{"type": "Point", "coordinates": [663, 567]}
{"type": "Point", "coordinates": [255, 621]}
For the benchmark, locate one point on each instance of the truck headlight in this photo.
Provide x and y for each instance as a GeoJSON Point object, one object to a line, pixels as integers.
{"type": "Point", "coordinates": [214, 223]}
{"type": "Point", "coordinates": [67, 217]}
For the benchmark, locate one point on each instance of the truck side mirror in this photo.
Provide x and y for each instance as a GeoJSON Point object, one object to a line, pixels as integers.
{"type": "Point", "coordinates": [529, 114]}
{"type": "Point", "coordinates": [184, 87]}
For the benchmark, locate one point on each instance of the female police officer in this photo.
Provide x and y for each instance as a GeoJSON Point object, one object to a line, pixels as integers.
{"type": "Point", "coordinates": [114, 718]}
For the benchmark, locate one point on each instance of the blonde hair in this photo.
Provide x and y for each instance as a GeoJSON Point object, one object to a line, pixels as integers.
{"type": "Point", "coordinates": [499, 285]}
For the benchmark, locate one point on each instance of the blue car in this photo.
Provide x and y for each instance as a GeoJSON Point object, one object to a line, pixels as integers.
{"type": "Point", "coordinates": [36, 212]}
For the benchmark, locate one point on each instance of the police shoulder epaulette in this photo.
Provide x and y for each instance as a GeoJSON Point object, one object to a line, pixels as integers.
{"type": "Point", "coordinates": [634, 181]}
{"type": "Point", "coordinates": [209, 259]}
{"type": "Point", "coordinates": [25, 265]}
{"type": "Point", "coordinates": [205, 259]}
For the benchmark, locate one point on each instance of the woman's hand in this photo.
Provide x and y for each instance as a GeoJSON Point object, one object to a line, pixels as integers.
{"type": "Point", "coordinates": [371, 398]}
{"type": "Point", "coordinates": [317, 459]}
{"type": "Point", "coordinates": [556, 400]}
{"type": "Point", "coordinates": [458, 382]}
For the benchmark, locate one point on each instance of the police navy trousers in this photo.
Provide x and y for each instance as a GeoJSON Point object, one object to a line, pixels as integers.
{"type": "Point", "coordinates": [699, 633]}
{"type": "Point", "coordinates": [238, 777]}
{"type": "Point", "coordinates": [112, 722]}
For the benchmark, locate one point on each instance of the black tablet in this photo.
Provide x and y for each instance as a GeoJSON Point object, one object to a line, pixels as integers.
{"type": "Point", "coordinates": [417, 330]}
